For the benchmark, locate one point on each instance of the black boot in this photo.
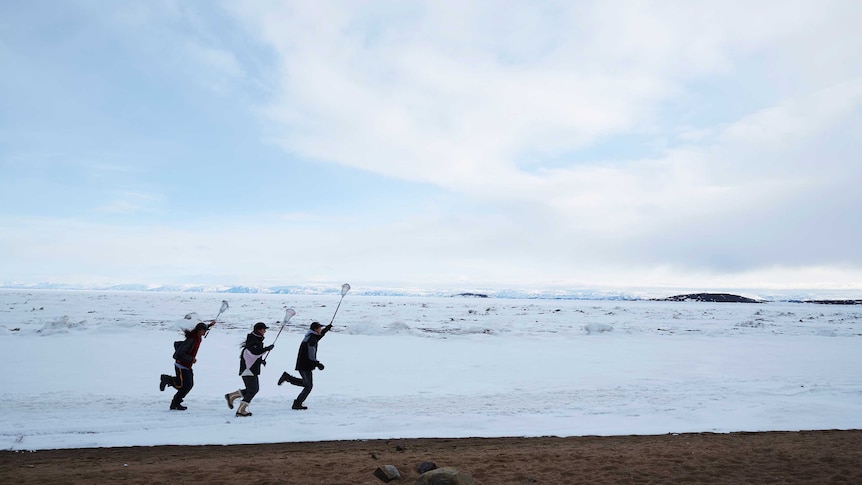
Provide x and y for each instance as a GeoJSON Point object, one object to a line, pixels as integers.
{"type": "Point", "coordinates": [166, 381]}
{"type": "Point", "coordinates": [285, 377]}
{"type": "Point", "coordinates": [298, 405]}
{"type": "Point", "coordinates": [177, 406]}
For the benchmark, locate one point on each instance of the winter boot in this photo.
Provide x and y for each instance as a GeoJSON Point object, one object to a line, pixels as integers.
{"type": "Point", "coordinates": [166, 381]}
{"type": "Point", "coordinates": [285, 377]}
{"type": "Point", "coordinates": [243, 410]}
{"type": "Point", "coordinates": [230, 398]}
{"type": "Point", "coordinates": [298, 405]}
{"type": "Point", "coordinates": [175, 406]}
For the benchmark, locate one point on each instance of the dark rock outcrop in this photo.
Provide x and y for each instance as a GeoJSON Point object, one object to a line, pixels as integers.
{"type": "Point", "coordinates": [835, 302]}
{"type": "Point", "coordinates": [710, 297]}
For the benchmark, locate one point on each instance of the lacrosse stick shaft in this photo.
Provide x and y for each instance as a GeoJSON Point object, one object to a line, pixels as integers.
{"type": "Point", "coordinates": [344, 289]}
{"type": "Point", "coordinates": [224, 306]}
{"type": "Point", "coordinates": [336, 309]}
{"type": "Point", "coordinates": [287, 316]}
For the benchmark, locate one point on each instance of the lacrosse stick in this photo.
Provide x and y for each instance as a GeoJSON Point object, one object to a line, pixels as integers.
{"type": "Point", "coordinates": [224, 307]}
{"type": "Point", "coordinates": [288, 314]}
{"type": "Point", "coordinates": [344, 289]}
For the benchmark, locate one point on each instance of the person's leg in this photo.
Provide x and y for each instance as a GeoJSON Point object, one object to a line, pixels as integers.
{"type": "Point", "coordinates": [186, 382]}
{"type": "Point", "coordinates": [232, 396]}
{"type": "Point", "coordinates": [177, 379]}
{"type": "Point", "coordinates": [307, 385]}
{"type": "Point", "coordinates": [285, 377]}
{"type": "Point", "coordinates": [252, 386]}
{"type": "Point", "coordinates": [166, 380]}
{"type": "Point", "coordinates": [178, 385]}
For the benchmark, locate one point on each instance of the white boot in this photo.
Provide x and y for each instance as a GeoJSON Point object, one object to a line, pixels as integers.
{"type": "Point", "coordinates": [230, 398]}
{"type": "Point", "coordinates": [243, 410]}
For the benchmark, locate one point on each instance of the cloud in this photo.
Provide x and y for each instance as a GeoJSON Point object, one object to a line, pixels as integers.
{"type": "Point", "coordinates": [443, 93]}
{"type": "Point", "coordinates": [410, 103]}
{"type": "Point", "coordinates": [494, 105]}
{"type": "Point", "coordinates": [545, 142]}
{"type": "Point", "coordinates": [423, 252]}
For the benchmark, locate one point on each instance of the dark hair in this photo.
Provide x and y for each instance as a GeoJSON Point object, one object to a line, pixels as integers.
{"type": "Point", "coordinates": [259, 326]}
{"type": "Point", "coordinates": [315, 325]}
{"type": "Point", "coordinates": [200, 326]}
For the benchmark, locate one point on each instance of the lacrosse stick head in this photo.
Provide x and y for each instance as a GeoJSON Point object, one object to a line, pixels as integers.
{"type": "Point", "coordinates": [224, 307]}
{"type": "Point", "coordinates": [344, 289]}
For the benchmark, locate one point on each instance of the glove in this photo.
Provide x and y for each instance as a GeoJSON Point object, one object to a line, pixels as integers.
{"type": "Point", "coordinates": [328, 327]}
{"type": "Point", "coordinates": [263, 362]}
{"type": "Point", "coordinates": [268, 348]}
{"type": "Point", "coordinates": [320, 366]}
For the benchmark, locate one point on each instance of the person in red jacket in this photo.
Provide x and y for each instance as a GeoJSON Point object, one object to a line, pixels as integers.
{"type": "Point", "coordinates": [185, 356]}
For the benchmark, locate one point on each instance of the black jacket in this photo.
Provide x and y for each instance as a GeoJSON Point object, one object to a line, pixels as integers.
{"type": "Point", "coordinates": [306, 357]}
{"type": "Point", "coordinates": [252, 350]}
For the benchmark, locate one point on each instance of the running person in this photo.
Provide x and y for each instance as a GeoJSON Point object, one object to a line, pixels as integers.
{"type": "Point", "coordinates": [306, 362]}
{"type": "Point", "coordinates": [250, 360]}
{"type": "Point", "coordinates": [185, 356]}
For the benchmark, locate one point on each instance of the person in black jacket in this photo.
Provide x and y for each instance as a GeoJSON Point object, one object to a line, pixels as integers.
{"type": "Point", "coordinates": [306, 362]}
{"type": "Point", "coordinates": [185, 355]}
{"type": "Point", "coordinates": [250, 360]}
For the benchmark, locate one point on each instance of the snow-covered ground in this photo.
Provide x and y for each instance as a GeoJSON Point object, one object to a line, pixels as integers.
{"type": "Point", "coordinates": [82, 368]}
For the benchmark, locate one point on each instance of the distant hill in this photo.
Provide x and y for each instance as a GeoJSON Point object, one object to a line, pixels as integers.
{"type": "Point", "coordinates": [833, 297]}
{"type": "Point", "coordinates": [710, 297]}
{"type": "Point", "coordinates": [835, 302]}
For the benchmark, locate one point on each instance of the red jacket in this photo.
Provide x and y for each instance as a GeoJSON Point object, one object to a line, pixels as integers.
{"type": "Point", "coordinates": [188, 350]}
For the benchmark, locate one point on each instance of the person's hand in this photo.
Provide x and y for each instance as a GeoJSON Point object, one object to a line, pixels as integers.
{"type": "Point", "coordinates": [263, 362]}
{"type": "Point", "coordinates": [269, 347]}
{"type": "Point", "coordinates": [320, 366]}
{"type": "Point", "coordinates": [328, 327]}
{"type": "Point", "coordinates": [212, 322]}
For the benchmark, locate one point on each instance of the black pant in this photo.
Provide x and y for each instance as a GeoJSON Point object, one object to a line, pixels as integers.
{"type": "Point", "coordinates": [252, 385]}
{"type": "Point", "coordinates": [184, 381]}
{"type": "Point", "coordinates": [307, 384]}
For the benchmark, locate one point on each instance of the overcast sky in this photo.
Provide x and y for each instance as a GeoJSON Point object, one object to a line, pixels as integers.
{"type": "Point", "coordinates": [425, 144]}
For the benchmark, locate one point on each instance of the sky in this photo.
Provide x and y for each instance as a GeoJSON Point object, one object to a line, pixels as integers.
{"type": "Point", "coordinates": [701, 145]}
{"type": "Point", "coordinates": [408, 367]}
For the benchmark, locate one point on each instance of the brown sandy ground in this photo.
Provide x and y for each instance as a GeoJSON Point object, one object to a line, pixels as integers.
{"type": "Point", "coordinates": [831, 456]}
